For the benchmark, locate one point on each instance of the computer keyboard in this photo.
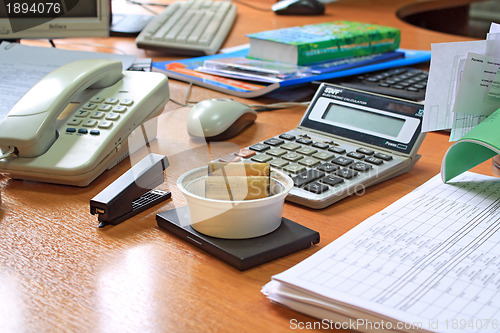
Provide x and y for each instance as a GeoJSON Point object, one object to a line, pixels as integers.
{"type": "Point", "coordinates": [189, 27]}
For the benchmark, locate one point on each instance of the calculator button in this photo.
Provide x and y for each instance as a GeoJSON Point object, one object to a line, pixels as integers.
{"type": "Point", "coordinates": [245, 153]}
{"type": "Point", "coordinates": [360, 166]}
{"type": "Point", "coordinates": [309, 161]}
{"type": "Point", "coordinates": [328, 167]}
{"type": "Point", "coordinates": [307, 177]}
{"type": "Point", "coordinates": [304, 141]}
{"type": "Point", "coordinates": [323, 155]}
{"type": "Point", "coordinates": [346, 173]}
{"type": "Point", "coordinates": [342, 161]}
{"type": "Point", "coordinates": [276, 152]}
{"type": "Point", "coordinates": [374, 160]}
{"type": "Point", "coordinates": [306, 150]}
{"type": "Point", "coordinates": [356, 155]}
{"type": "Point", "coordinates": [259, 147]}
{"type": "Point", "coordinates": [294, 168]}
{"type": "Point", "coordinates": [229, 158]}
{"type": "Point", "coordinates": [293, 157]}
{"type": "Point", "coordinates": [316, 187]}
{"type": "Point", "coordinates": [320, 145]}
{"type": "Point", "coordinates": [383, 156]}
{"type": "Point", "coordinates": [337, 150]}
{"type": "Point", "coordinates": [365, 151]}
{"type": "Point", "coordinates": [278, 163]}
{"type": "Point", "coordinates": [331, 180]}
{"type": "Point", "coordinates": [262, 158]}
{"type": "Point", "coordinates": [274, 142]}
{"type": "Point", "coordinates": [290, 146]}
{"type": "Point", "coordinates": [287, 136]}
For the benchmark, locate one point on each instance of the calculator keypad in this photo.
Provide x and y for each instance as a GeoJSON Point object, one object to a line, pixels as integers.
{"type": "Point", "coordinates": [320, 168]}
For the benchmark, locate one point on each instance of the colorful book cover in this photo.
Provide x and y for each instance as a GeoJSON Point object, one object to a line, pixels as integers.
{"type": "Point", "coordinates": [307, 44]}
{"type": "Point", "coordinates": [185, 70]}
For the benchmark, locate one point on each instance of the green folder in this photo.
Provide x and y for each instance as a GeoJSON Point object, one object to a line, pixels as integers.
{"type": "Point", "coordinates": [478, 145]}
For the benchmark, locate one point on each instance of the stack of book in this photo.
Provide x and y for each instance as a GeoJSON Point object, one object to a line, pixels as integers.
{"type": "Point", "coordinates": [283, 58]}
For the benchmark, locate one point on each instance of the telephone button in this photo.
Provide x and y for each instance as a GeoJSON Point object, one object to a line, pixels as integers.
{"type": "Point", "coordinates": [113, 116]}
{"type": "Point", "coordinates": [105, 124]}
{"type": "Point", "coordinates": [70, 130]}
{"type": "Point", "coordinates": [89, 106]}
{"type": "Point", "coordinates": [82, 131]}
{"type": "Point", "coordinates": [120, 108]}
{"type": "Point", "coordinates": [111, 100]}
{"type": "Point", "coordinates": [105, 107]}
{"type": "Point", "coordinates": [95, 132]}
{"type": "Point", "coordinates": [74, 122]}
{"type": "Point", "coordinates": [97, 99]}
{"type": "Point", "coordinates": [127, 101]}
{"type": "Point", "coordinates": [97, 115]}
{"type": "Point", "coordinates": [82, 114]}
{"type": "Point", "coordinates": [90, 123]}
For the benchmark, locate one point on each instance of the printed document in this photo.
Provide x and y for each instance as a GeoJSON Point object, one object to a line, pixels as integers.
{"type": "Point", "coordinates": [429, 261]}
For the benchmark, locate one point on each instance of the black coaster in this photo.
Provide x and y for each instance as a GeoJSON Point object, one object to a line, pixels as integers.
{"type": "Point", "coordinates": [241, 253]}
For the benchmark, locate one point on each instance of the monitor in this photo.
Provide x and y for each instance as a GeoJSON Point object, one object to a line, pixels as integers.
{"type": "Point", "coordinates": [50, 19]}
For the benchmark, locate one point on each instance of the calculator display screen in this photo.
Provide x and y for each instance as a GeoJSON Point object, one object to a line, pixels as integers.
{"type": "Point", "coordinates": [364, 120]}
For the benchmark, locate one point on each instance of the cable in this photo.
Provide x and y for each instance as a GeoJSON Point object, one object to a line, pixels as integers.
{"type": "Point", "coordinates": [252, 6]}
{"type": "Point", "coordinates": [11, 153]}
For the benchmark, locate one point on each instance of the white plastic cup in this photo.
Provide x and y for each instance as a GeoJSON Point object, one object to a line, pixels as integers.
{"type": "Point", "coordinates": [233, 219]}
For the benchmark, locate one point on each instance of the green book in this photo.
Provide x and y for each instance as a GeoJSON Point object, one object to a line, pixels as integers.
{"type": "Point", "coordinates": [313, 43]}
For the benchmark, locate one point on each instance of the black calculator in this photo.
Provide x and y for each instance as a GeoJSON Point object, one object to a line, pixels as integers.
{"type": "Point", "coordinates": [402, 82]}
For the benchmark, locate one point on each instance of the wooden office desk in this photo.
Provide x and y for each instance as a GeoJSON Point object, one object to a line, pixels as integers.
{"type": "Point", "coordinates": [60, 273]}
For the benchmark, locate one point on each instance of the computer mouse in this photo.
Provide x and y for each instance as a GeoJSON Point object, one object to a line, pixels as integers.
{"type": "Point", "coordinates": [219, 119]}
{"type": "Point", "coordinates": [298, 7]}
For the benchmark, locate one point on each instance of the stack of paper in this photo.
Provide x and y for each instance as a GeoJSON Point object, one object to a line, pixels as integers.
{"type": "Point", "coordinates": [428, 262]}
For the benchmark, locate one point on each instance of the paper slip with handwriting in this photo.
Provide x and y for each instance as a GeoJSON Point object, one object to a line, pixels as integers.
{"type": "Point", "coordinates": [428, 262]}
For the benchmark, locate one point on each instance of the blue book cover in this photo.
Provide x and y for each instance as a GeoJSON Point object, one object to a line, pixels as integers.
{"type": "Point", "coordinates": [185, 70]}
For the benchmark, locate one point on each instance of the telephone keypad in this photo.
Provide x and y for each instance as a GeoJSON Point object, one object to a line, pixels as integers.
{"type": "Point", "coordinates": [99, 112]}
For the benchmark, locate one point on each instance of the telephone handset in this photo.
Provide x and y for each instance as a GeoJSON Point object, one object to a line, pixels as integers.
{"type": "Point", "coordinates": [74, 123]}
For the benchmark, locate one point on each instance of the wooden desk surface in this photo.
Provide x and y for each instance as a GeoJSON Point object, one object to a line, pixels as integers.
{"type": "Point", "coordinates": [60, 273]}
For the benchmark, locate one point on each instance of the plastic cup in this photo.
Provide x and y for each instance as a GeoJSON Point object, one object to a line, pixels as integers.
{"type": "Point", "coordinates": [233, 219]}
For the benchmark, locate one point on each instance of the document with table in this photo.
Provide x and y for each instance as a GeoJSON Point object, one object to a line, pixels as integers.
{"type": "Point", "coordinates": [427, 262]}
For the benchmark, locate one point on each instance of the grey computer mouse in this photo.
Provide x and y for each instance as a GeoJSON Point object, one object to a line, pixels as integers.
{"type": "Point", "coordinates": [298, 7]}
{"type": "Point", "coordinates": [219, 119]}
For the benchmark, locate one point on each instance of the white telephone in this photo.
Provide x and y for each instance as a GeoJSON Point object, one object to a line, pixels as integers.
{"type": "Point", "coordinates": [74, 123]}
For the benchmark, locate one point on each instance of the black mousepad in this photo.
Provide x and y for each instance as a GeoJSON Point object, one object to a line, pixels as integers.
{"type": "Point", "coordinates": [241, 253]}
